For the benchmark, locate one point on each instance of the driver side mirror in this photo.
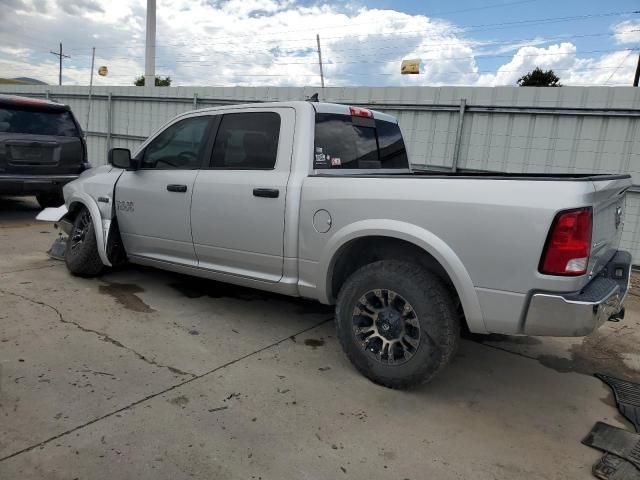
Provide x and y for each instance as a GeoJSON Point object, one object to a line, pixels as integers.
{"type": "Point", "coordinates": [121, 158]}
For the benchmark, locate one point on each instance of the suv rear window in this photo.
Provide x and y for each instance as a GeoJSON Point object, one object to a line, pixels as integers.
{"type": "Point", "coordinates": [15, 120]}
{"type": "Point", "coordinates": [346, 142]}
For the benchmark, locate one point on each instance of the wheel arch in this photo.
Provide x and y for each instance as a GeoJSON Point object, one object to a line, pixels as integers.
{"type": "Point", "coordinates": [101, 229]}
{"type": "Point", "coordinates": [368, 241]}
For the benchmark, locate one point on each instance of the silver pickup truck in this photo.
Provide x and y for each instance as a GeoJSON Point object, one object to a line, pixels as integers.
{"type": "Point", "coordinates": [318, 200]}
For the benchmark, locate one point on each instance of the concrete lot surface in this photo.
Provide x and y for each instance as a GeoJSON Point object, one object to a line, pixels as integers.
{"type": "Point", "coordinates": [148, 374]}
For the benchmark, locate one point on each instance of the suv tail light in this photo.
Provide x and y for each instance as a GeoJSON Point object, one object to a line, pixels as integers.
{"type": "Point", "coordinates": [568, 245]}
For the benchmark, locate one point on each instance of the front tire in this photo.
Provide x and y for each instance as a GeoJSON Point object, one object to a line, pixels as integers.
{"type": "Point", "coordinates": [397, 323]}
{"type": "Point", "coordinates": [81, 256]}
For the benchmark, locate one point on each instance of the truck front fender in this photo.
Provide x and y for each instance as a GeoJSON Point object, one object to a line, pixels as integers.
{"type": "Point", "coordinates": [419, 237]}
{"type": "Point", "coordinates": [100, 226]}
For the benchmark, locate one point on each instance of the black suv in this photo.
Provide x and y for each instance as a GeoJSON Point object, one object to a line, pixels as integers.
{"type": "Point", "coordinates": [41, 148]}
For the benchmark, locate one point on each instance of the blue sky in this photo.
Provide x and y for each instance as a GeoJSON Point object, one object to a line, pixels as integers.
{"type": "Point", "coordinates": [516, 11]}
{"type": "Point", "coordinates": [272, 42]}
{"type": "Point", "coordinates": [470, 13]}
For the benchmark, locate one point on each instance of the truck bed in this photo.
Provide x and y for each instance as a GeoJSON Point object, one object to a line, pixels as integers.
{"type": "Point", "coordinates": [470, 175]}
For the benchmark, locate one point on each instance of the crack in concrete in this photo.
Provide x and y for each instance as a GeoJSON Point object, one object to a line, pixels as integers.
{"type": "Point", "coordinates": [103, 336]}
{"type": "Point", "coordinates": [29, 269]}
{"type": "Point", "coordinates": [161, 392]}
{"type": "Point", "coordinates": [502, 349]}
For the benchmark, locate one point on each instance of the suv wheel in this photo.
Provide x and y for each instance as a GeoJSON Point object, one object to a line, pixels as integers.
{"type": "Point", "coordinates": [397, 323]}
{"type": "Point", "coordinates": [50, 199]}
{"type": "Point", "coordinates": [82, 257]}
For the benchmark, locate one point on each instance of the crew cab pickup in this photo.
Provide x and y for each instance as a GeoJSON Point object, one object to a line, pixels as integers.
{"type": "Point", "coordinates": [318, 200]}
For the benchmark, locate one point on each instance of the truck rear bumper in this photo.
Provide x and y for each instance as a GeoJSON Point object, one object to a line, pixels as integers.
{"type": "Point", "coordinates": [33, 184]}
{"type": "Point", "coordinates": [577, 314]}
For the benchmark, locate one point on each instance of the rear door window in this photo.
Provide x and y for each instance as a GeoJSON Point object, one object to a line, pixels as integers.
{"type": "Point", "coordinates": [247, 141]}
{"type": "Point", "coordinates": [30, 122]}
{"type": "Point", "coordinates": [346, 142]}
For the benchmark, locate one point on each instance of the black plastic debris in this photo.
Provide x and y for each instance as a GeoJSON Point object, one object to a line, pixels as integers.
{"type": "Point", "coordinates": [627, 397]}
{"type": "Point", "coordinates": [615, 440]}
{"type": "Point", "coordinates": [58, 248]}
{"type": "Point", "coordinates": [612, 467]}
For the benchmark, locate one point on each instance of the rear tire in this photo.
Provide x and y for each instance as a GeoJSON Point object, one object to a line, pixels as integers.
{"type": "Point", "coordinates": [50, 199]}
{"type": "Point", "coordinates": [397, 323]}
{"type": "Point", "coordinates": [81, 256]}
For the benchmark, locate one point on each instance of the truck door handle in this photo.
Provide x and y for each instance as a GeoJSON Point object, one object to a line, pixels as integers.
{"type": "Point", "coordinates": [177, 188]}
{"type": "Point", "coordinates": [266, 192]}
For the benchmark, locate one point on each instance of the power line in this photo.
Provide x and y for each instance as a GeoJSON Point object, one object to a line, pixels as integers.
{"type": "Point", "coordinates": [168, 72]}
{"type": "Point", "coordinates": [485, 7]}
{"type": "Point", "coordinates": [431, 14]}
{"type": "Point", "coordinates": [531, 42]}
{"type": "Point", "coordinates": [366, 74]}
{"type": "Point", "coordinates": [465, 28]}
{"type": "Point", "coordinates": [204, 63]}
{"type": "Point", "coordinates": [517, 44]}
{"type": "Point", "coordinates": [618, 67]}
{"type": "Point", "coordinates": [397, 34]}
{"type": "Point", "coordinates": [331, 64]}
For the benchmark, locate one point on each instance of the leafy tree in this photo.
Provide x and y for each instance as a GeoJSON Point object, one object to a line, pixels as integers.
{"type": "Point", "coordinates": [160, 82]}
{"type": "Point", "coordinates": [539, 78]}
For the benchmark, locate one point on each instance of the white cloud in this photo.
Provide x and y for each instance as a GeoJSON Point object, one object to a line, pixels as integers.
{"type": "Point", "coordinates": [627, 31]}
{"type": "Point", "coordinates": [559, 58]}
{"type": "Point", "coordinates": [272, 42]}
{"type": "Point", "coordinates": [612, 69]}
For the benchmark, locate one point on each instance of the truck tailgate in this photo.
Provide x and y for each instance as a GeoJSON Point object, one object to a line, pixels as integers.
{"type": "Point", "coordinates": [608, 216]}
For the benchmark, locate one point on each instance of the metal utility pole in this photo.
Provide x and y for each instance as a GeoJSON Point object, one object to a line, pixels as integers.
{"type": "Point", "coordinates": [637, 77]}
{"type": "Point", "coordinates": [320, 61]}
{"type": "Point", "coordinates": [93, 59]}
{"type": "Point", "coordinates": [150, 47]}
{"type": "Point", "coordinates": [60, 57]}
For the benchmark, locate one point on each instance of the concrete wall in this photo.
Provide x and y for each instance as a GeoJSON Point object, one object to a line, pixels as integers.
{"type": "Point", "coordinates": [568, 129]}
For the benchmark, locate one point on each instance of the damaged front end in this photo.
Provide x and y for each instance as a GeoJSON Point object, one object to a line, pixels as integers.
{"type": "Point", "coordinates": [57, 215]}
{"type": "Point", "coordinates": [93, 191]}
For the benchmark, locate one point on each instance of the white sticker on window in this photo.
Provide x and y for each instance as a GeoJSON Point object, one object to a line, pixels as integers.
{"type": "Point", "coordinates": [335, 161]}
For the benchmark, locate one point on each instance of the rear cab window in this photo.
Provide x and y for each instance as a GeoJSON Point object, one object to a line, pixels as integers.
{"type": "Point", "coordinates": [32, 122]}
{"type": "Point", "coordinates": [357, 143]}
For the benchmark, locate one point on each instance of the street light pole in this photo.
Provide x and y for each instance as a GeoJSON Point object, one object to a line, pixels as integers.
{"type": "Point", "coordinates": [93, 59]}
{"type": "Point", "coordinates": [320, 61]}
{"type": "Point", "coordinates": [150, 47]}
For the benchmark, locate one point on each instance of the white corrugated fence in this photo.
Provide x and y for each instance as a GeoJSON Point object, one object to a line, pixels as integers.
{"type": "Point", "coordinates": [512, 129]}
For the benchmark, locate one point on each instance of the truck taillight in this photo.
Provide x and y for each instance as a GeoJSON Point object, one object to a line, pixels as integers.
{"type": "Point", "coordinates": [360, 112]}
{"type": "Point", "coordinates": [568, 245]}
